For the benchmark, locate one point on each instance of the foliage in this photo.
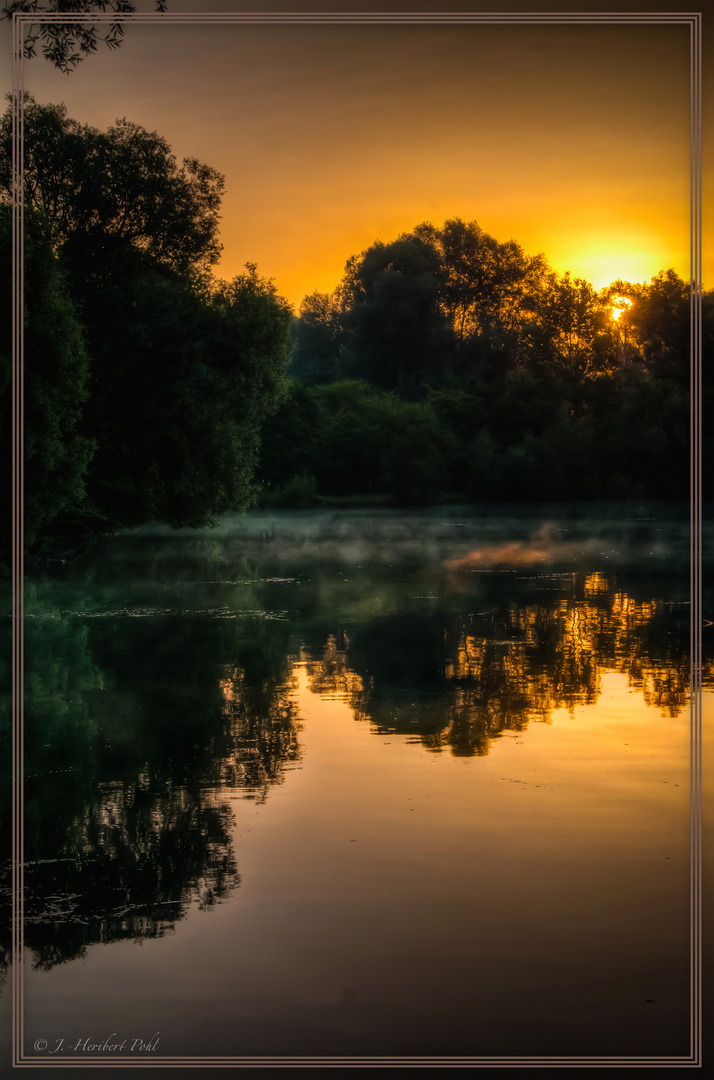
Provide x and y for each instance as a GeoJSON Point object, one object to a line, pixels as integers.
{"type": "Point", "coordinates": [104, 190]}
{"type": "Point", "coordinates": [65, 44]}
{"type": "Point", "coordinates": [440, 307]}
{"type": "Point", "coordinates": [172, 372]}
{"type": "Point", "coordinates": [499, 378]}
{"type": "Point", "coordinates": [573, 330]}
{"type": "Point", "coordinates": [182, 388]}
{"type": "Point", "coordinates": [57, 454]}
{"type": "Point", "coordinates": [299, 493]}
{"type": "Point", "coordinates": [319, 338]}
{"type": "Point", "coordinates": [445, 365]}
{"type": "Point", "coordinates": [415, 463]}
{"type": "Point", "coordinates": [399, 337]}
{"type": "Point", "coordinates": [349, 438]}
{"type": "Point", "coordinates": [357, 421]}
{"type": "Point", "coordinates": [486, 283]}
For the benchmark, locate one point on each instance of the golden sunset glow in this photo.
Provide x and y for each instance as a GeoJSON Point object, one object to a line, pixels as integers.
{"type": "Point", "coordinates": [332, 137]}
{"type": "Point", "coordinates": [467, 719]}
{"type": "Point", "coordinates": [619, 305]}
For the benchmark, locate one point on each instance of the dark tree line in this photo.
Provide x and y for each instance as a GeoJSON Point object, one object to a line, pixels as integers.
{"type": "Point", "coordinates": [448, 365]}
{"type": "Point", "coordinates": [147, 380]}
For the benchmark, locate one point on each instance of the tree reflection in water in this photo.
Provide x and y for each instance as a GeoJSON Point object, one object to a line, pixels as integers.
{"type": "Point", "coordinates": [458, 681]}
{"type": "Point", "coordinates": [126, 765]}
{"type": "Point", "coordinates": [130, 869]}
{"type": "Point", "coordinates": [160, 685]}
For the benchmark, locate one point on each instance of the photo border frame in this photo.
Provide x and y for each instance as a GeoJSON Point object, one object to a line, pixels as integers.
{"type": "Point", "coordinates": [20, 24]}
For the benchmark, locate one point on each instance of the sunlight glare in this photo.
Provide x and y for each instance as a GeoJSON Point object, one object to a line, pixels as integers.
{"type": "Point", "coordinates": [620, 304]}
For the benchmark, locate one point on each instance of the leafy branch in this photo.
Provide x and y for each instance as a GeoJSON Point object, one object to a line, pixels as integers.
{"type": "Point", "coordinates": [66, 44]}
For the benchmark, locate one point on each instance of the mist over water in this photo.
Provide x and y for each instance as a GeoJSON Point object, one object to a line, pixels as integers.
{"type": "Point", "coordinates": [462, 704]}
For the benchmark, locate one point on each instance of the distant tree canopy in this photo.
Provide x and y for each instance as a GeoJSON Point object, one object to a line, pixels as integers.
{"type": "Point", "coordinates": [158, 375]}
{"type": "Point", "coordinates": [65, 44]}
{"type": "Point", "coordinates": [398, 335]}
{"type": "Point", "coordinates": [474, 371]}
{"type": "Point", "coordinates": [320, 337]}
{"type": "Point", "coordinates": [440, 306]}
{"type": "Point", "coordinates": [446, 364]}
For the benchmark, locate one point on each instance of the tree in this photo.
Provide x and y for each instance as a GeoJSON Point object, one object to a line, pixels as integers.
{"type": "Point", "coordinates": [415, 458]}
{"type": "Point", "coordinates": [357, 422]}
{"type": "Point", "coordinates": [436, 306]}
{"type": "Point", "coordinates": [485, 281]}
{"type": "Point", "coordinates": [183, 369]}
{"type": "Point", "coordinates": [319, 338]}
{"type": "Point", "coordinates": [532, 386]}
{"type": "Point", "coordinates": [103, 190]}
{"type": "Point", "coordinates": [65, 44]}
{"type": "Point", "coordinates": [56, 452]}
{"type": "Point", "coordinates": [180, 392]}
{"type": "Point", "coordinates": [572, 328]}
{"type": "Point", "coordinates": [291, 438]}
{"type": "Point", "coordinates": [399, 338]}
{"type": "Point", "coordinates": [658, 322]}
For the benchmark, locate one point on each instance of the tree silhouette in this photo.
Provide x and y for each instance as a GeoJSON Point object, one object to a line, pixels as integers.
{"type": "Point", "coordinates": [573, 328]}
{"type": "Point", "coordinates": [399, 338]}
{"type": "Point", "coordinates": [135, 235]}
{"type": "Point", "coordinates": [57, 454]}
{"type": "Point", "coordinates": [319, 338]}
{"type": "Point", "coordinates": [64, 43]}
{"type": "Point", "coordinates": [103, 191]}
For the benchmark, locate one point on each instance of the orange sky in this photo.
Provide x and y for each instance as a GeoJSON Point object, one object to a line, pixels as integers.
{"type": "Point", "coordinates": [572, 140]}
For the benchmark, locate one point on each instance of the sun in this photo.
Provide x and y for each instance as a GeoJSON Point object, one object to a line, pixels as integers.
{"type": "Point", "coordinates": [619, 304]}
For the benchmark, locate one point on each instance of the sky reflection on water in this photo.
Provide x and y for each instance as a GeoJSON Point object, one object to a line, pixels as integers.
{"type": "Point", "coordinates": [514, 843]}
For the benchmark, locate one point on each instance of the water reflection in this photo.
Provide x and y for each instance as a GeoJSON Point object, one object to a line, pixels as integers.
{"type": "Point", "coordinates": [459, 680]}
{"type": "Point", "coordinates": [131, 867]}
{"type": "Point", "coordinates": [261, 736]}
{"type": "Point", "coordinates": [160, 681]}
{"type": "Point", "coordinates": [117, 835]}
{"type": "Point", "coordinates": [132, 738]}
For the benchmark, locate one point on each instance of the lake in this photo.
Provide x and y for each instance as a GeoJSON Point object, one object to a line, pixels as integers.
{"type": "Point", "coordinates": [362, 783]}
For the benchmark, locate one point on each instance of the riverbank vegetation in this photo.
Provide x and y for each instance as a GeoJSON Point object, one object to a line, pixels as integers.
{"type": "Point", "coordinates": [448, 366]}
{"type": "Point", "coordinates": [147, 379]}
{"type": "Point", "coordinates": [445, 366]}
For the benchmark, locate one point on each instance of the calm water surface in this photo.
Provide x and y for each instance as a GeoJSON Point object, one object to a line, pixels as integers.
{"type": "Point", "coordinates": [363, 783]}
